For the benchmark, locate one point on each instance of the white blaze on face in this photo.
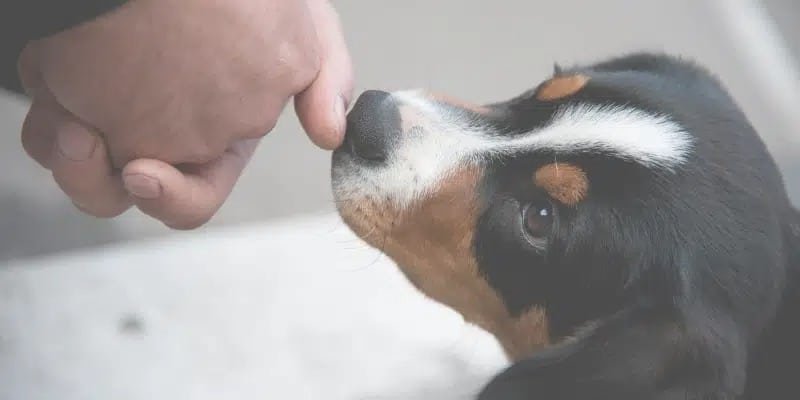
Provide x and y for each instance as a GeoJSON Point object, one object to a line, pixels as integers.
{"type": "Point", "coordinates": [437, 141]}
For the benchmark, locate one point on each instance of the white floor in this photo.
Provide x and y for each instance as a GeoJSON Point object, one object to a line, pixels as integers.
{"type": "Point", "coordinates": [241, 313]}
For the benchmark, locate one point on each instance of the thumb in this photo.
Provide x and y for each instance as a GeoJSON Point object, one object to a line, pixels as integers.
{"type": "Point", "coordinates": [186, 198]}
{"type": "Point", "coordinates": [321, 107]}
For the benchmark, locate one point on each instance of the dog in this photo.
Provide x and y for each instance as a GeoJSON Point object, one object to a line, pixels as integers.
{"type": "Point", "coordinates": [621, 229]}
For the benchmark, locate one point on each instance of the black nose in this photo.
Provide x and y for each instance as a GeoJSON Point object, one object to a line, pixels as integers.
{"type": "Point", "coordinates": [373, 126]}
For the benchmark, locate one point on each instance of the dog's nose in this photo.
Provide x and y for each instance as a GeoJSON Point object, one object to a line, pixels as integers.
{"type": "Point", "coordinates": [373, 126]}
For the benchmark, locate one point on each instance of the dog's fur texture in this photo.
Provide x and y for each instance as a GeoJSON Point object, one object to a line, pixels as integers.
{"type": "Point", "coordinates": [667, 268]}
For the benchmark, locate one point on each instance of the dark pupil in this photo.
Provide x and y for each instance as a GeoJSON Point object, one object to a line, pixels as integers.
{"type": "Point", "coordinates": [538, 220]}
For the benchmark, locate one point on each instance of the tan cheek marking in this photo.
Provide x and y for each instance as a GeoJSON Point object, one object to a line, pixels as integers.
{"type": "Point", "coordinates": [432, 245]}
{"type": "Point", "coordinates": [561, 86]}
{"type": "Point", "coordinates": [564, 182]}
{"type": "Point", "coordinates": [443, 98]}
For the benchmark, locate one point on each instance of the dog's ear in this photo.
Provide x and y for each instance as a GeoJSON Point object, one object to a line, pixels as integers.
{"type": "Point", "coordinates": [557, 70]}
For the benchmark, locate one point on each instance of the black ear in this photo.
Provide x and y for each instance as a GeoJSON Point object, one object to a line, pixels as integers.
{"type": "Point", "coordinates": [557, 70]}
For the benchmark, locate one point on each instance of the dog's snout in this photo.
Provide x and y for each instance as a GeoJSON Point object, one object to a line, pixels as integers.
{"type": "Point", "coordinates": [373, 126]}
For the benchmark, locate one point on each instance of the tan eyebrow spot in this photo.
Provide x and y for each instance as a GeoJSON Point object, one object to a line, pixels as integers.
{"type": "Point", "coordinates": [564, 182]}
{"type": "Point", "coordinates": [561, 86]}
{"type": "Point", "coordinates": [443, 98]}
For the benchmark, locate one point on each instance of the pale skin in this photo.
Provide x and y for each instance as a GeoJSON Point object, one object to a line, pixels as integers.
{"type": "Point", "coordinates": [160, 103]}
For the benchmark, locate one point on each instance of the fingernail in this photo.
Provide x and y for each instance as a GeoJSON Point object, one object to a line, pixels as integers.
{"type": "Point", "coordinates": [75, 143]}
{"type": "Point", "coordinates": [142, 186]}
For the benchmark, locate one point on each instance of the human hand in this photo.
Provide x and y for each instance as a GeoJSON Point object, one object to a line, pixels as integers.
{"type": "Point", "coordinates": [161, 103]}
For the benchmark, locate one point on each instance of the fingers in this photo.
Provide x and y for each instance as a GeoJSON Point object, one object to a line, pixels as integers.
{"type": "Point", "coordinates": [80, 165]}
{"type": "Point", "coordinates": [188, 198]}
{"type": "Point", "coordinates": [82, 169]}
{"type": "Point", "coordinates": [321, 107]}
{"type": "Point", "coordinates": [75, 155]}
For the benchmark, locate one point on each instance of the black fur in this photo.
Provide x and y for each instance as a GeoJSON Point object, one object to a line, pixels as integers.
{"type": "Point", "coordinates": [661, 284]}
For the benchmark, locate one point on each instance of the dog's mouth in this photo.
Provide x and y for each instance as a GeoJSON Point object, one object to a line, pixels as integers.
{"type": "Point", "coordinates": [401, 184]}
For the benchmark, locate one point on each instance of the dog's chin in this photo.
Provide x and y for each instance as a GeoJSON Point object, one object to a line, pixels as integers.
{"type": "Point", "coordinates": [369, 221]}
{"type": "Point", "coordinates": [368, 216]}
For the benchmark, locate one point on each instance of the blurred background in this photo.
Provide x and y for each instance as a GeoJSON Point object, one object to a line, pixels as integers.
{"type": "Point", "coordinates": [126, 309]}
{"type": "Point", "coordinates": [481, 51]}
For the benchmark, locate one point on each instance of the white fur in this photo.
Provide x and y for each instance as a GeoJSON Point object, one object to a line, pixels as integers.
{"type": "Point", "coordinates": [437, 142]}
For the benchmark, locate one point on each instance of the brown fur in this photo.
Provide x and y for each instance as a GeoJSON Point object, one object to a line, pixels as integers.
{"type": "Point", "coordinates": [564, 182]}
{"type": "Point", "coordinates": [432, 244]}
{"type": "Point", "coordinates": [561, 86]}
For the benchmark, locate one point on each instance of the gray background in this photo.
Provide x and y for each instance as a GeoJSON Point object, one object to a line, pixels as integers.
{"type": "Point", "coordinates": [479, 50]}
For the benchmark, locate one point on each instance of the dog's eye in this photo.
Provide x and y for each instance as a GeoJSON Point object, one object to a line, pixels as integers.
{"type": "Point", "coordinates": [538, 218]}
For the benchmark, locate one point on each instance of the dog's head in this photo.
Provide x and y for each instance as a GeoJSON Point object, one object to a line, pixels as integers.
{"type": "Point", "coordinates": [534, 216]}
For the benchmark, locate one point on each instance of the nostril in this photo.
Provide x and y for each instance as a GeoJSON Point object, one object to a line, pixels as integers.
{"type": "Point", "coordinates": [372, 126]}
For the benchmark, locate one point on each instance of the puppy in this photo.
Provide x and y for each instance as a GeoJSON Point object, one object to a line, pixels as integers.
{"type": "Point", "coordinates": [620, 228]}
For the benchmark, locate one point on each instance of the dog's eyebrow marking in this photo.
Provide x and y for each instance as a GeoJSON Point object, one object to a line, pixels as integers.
{"type": "Point", "coordinates": [561, 86]}
{"type": "Point", "coordinates": [448, 141]}
{"type": "Point", "coordinates": [627, 133]}
{"type": "Point", "coordinates": [564, 182]}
